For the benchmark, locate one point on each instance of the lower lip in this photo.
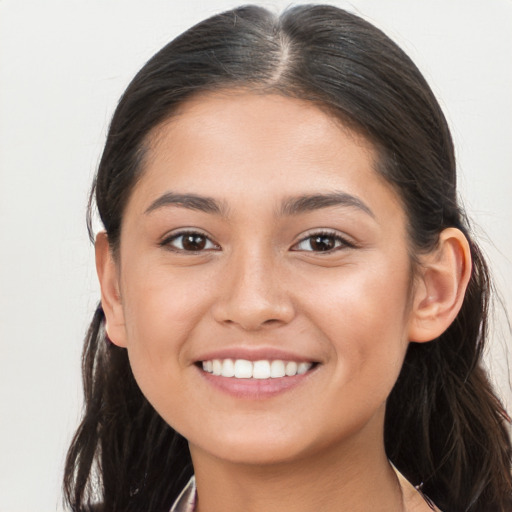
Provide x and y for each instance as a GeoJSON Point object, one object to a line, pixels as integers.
{"type": "Point", "coordinates": [255, 389]}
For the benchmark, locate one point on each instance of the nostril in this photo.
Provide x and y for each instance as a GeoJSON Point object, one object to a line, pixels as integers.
{"type": "Point", "coordinates": [271, 321]}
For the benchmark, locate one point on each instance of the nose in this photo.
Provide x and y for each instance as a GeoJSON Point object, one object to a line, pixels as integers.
{"type": "Point", "coordinates": [253, 294]}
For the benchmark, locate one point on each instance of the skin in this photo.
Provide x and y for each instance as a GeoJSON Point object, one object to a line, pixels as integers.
{"type": "Point", "coordinates": [259, 284]}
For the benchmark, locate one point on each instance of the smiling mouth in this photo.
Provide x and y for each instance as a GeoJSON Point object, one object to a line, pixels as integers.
{"type": "Point", "coordinates": [262, 369]}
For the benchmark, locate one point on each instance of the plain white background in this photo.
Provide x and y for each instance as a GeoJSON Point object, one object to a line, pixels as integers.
{"type": "Point", "coordinates": [63, 65]}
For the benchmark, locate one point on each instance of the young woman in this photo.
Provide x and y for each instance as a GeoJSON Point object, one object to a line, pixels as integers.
{"type": "Point", "coordinates": [293, 310]}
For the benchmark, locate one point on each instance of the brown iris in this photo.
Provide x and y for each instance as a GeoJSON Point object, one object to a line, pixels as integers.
{"type": "Point", "coordinates": [322, 243]}
{"type": "Point", "coordinates": [193, 242]}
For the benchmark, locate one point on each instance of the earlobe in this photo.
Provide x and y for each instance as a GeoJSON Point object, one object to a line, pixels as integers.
{"type": "Point", "coordinates": [441, 286]}
{"type": "Point", "coordinates": [106, 269]}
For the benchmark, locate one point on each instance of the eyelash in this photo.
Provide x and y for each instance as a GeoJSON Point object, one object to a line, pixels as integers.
{"type": "Point", "coordinates": [167, 242]}
{"type": "Point", "coordinates": [339, 241]}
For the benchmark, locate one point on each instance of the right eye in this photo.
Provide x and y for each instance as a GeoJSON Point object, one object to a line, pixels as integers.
{"type": "Point", "coordinates": [189, 241]}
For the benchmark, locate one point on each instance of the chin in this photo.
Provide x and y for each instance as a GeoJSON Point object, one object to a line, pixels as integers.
{"type": "Point", "coordinates": [252, 449]}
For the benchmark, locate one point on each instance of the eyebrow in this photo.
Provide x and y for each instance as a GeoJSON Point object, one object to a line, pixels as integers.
{"type": "Point", "coordinates": [190, 201]}
{"type": "Point", "coordinates": [291, 206]}
{"type": "Point", "coordinates": [310, 202]}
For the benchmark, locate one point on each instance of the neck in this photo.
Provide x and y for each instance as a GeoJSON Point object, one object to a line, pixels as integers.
{"type": "Point", "coordinates": [355, 476]}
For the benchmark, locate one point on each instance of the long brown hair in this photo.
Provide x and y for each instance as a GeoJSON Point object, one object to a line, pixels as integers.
{"type": "Point", "coordinates": [445, 428]}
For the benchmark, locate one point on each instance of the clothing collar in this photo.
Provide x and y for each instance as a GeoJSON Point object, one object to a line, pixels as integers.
{"type": "Point", "coordinates": [186, 501]}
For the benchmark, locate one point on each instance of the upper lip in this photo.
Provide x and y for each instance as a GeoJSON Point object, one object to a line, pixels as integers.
{"type": "Point", "coordinates": [254, 354]}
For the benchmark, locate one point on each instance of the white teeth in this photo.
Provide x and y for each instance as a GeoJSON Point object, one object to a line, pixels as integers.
{"type": "Point", "coordinates": [291, 368]}
{"type": "Point", "coordinates": [228, 368]}
{"type": "Point", "coordinates": [263, 369]}
{"type": "Point", "coordinates": [217, 367]}
{"type": "Point", "coordinates": [277, 369]}
{"type": "Point", "coordinates": [303, 368]}
{"type": "Point", "coordinates": [243, 369]}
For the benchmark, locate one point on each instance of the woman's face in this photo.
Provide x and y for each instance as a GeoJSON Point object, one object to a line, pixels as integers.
{"type": "Point", "coordinates": [260, 240]}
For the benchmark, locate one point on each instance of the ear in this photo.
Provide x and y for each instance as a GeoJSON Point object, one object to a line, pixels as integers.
{"type": "Point", "coordinates": [108, 276]}
{"type": "Point", "coordinates": [440, 288]}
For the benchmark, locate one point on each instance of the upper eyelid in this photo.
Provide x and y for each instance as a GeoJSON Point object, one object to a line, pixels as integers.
{"type": "Point", "coordinates": [346, 241]}
{"type": "Point", "coordinates": [301, 238]}
{"type": "Point", "coordinates": [327, 232]}
{"type": "Point", "coordinates": [186, 231]}
{"type": "Point", "coordinates": [166, 239]}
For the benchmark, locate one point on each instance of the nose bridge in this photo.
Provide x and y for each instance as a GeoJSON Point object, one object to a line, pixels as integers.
{"type": "Point", "coordinates": [253, 293]}
{"type": "Point", "coordinates": [255, 276]}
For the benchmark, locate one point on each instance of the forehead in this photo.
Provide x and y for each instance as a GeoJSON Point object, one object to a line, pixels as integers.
{"type": "Point", "coordinates": [238, 144]}
{"type": "Point", "coordinates": [263, 116]}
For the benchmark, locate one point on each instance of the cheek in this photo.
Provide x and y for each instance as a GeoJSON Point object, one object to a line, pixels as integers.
{"type": "Point", "coordinates": [161, 304]}
{"type": "Point", "coordinates": [161, 311]}
{"type": "Point", "coordinates": [364, 295]}
{"type": "Point", "coordinates": [362, 313]}
{"type": "Point", "coordinates": [363, 321]}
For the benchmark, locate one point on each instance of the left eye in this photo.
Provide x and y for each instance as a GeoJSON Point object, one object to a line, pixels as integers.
{"type": "Point", "coordinates": [321, 242]}
{"type": "Point", "coordinates": [190, 242]}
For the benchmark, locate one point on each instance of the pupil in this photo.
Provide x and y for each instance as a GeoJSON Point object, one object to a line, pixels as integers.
{"type": "Point", "coordinates": [194, 242]}
{"type": "Point", "coordinates": [322, 243]}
